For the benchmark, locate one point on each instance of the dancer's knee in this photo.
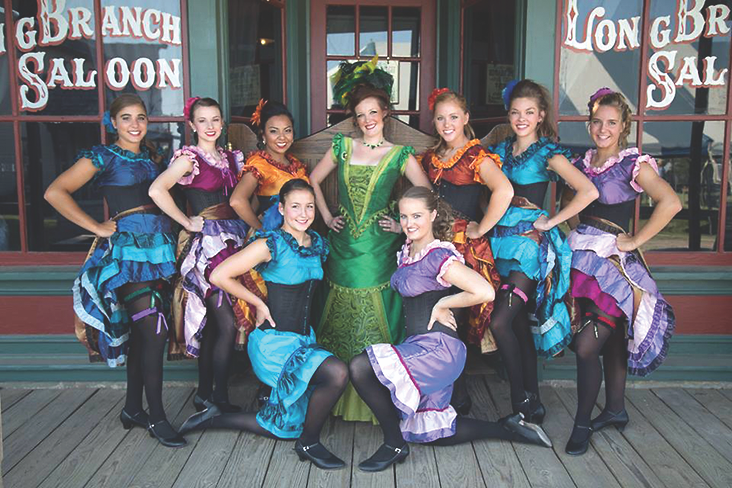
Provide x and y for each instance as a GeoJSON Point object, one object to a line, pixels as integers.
{"type": "Point", "coordinates": [360, 368]}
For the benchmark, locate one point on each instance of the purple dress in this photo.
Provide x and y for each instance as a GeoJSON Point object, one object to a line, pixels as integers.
{"type": "Point", "coordinates": [420, 371]}
{"type": "Point", "coordinates": [612, 278]}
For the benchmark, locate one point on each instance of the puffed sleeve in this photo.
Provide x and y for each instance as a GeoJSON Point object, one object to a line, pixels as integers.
{"type": "Point", "coordinates": [187, 153]}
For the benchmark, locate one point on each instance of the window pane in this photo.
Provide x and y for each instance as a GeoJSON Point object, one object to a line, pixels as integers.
{"type": "Point", "coordinates": [405, 92]}
{"type": "Point", "coordinates": [143, 53]}
{"type": "Point", "coordinates": [340, 30]}
{"type": "Point", "coordinates": [255, 55]}
{"type": "Point", "coordinates": [405, 24]}
{"type": "Point", "coordinates": [587, 65]}
{"type": "Point", "coordinates": [412, 120]}
{"type": "Point", "coordinates": [488, 55]}
{"type": "Point", "coordinates": [9, 223]}
{"type": "Point", "coordinates": [48, 150]}
{"type": "Point", "coordinates": [331, 69]}
{"type": "Point", "coordinates": [373, 24]}
{"type": "Point", "coordinates": [688, 62]}
{"type": "Point", "coordinates": [166, 137]}
{"type": "Point", "coordinates": [5, 107]}
{"type": "Point", "coordinates": [63, 77]}
{"type": "Point", "coordinates": [689, 155]}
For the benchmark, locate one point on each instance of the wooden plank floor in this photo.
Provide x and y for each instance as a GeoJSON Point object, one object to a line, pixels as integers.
{"type": "Point", "coordinates": [72, 438]}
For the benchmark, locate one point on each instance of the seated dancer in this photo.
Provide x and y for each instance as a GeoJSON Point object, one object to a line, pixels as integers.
{"type": "Point", "coordinates": [408, 387]}
{"type": "Point", "coordinates": [306, 380]}
{"type": "Point", "coordinates": [206, 320]}
{"type": "Point", "coordinates": [623, 316]}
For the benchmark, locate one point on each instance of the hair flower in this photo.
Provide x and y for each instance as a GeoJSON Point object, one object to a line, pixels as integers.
{"type": "Point", "coordinates": [506, 93]}
{"type": "Point", "coordinates": [107, 121]}
{"type": "Point", "coordinates": [433, 96]}
{"type": "Point", "coordinates": [597, 95]}
{"type": "Point", "coordinates": [257, 115]}
{"type": "Point", "coordinates": [188, 106]}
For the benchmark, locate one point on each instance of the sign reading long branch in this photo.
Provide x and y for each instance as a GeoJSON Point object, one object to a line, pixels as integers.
{"type": "Point", "coordinates": [55, 24]}
{"type": "Point", "coordinates": [666, 69]}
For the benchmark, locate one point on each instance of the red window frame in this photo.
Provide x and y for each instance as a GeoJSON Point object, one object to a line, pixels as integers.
{"type": "Point", "coordinates": [717, 256]}
{"type": "Point", "coordinates": [24, 256]}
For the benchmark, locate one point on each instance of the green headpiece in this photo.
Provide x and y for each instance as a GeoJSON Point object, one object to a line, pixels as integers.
{"type": "Point", "coordinates": [350, 75]}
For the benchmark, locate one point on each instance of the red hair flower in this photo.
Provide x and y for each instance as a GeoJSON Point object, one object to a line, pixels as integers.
{"type": "Point", "coordinates": [187, 107]}
{"type": "Point", "coordinates": [257, 115]}
{"type": "Point", "coordinates": [433, 96]}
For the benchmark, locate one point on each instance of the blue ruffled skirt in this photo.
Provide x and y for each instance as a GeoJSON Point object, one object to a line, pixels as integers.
{"type": "Point", "coordinates": [547, 262]}
{"type": "Point", "coordinates": [286, 361]}
{"type": "Point", "coordinates": [142, 249]}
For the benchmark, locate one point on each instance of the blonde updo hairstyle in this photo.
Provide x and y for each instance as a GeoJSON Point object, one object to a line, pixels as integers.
{"type": "Point", "coordinates": [618, 101]}
{"type": "Point", "coordinates": [450, 96]}
{"type": "Point", "coordinates": [442, 225]}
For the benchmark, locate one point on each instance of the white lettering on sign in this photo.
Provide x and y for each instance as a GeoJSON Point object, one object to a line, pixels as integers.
{"type": "Point", "coordinates": [55, 23]}
{"type": "Point", "coordinates": [666, 70]}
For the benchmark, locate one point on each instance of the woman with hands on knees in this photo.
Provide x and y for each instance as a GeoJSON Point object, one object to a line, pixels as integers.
{"type": "Point", "coordinates": [358, 307]}
{"type": "Point", "coordinates": [622, 314]}
{"type": "Point", "coordinates": [532, 255]}
{"type": "Point", "coordinates": [205, 318]}
{"type": "Point", "coordinates": [306, 379]}
{"type": "Point", "coordinates": [408, 386]}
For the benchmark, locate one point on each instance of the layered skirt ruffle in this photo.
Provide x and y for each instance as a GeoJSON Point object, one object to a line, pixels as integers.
{"type": "Point", "coordinates": [620, 281]}
{"type": "Point", "coordinates": [223, 235]}
{"type": "Point", "coordinates": [286, 361]}
{"type": "Point", "coordinates": [142, 250]}
{"type": "Point", "coordinates": [544, 257]}
{"type": "Point", "coordinates": [478, 255]}
{"type": "Point", "coordinates": [419, 374]}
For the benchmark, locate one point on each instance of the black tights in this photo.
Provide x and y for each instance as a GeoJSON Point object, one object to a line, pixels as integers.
{"type": "Point", "coordinates": [511, 328]}
{"type": "Point", "coordinates": [328, 382]}
{"type": "Point", "coordinates": [378, 398]}
{"type": "Point", "coordinates": [145, 354]}
{"type": "Point", "coordinates": [588, 346]}
{"type": "Point", "coordinates": [217, 347]}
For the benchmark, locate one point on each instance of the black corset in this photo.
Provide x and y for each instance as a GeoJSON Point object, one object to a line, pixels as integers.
{"type": "Point", "coordinates": [121, 198]}
{"type": "Point", "coordinates": [535, 192]}
{"type": "Point", "coordinates": [417, 312]}
{"type": "Point", "coordinates": [618, 213]}
{"type": "Point", "coordinates": [464, 199]}
{"type": "Point", "coordinates": [199, 200]}
{"type": "Point", "coordinates": [289, 306]}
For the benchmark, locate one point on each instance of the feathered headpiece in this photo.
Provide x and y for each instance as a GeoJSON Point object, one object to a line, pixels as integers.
{"type": "Point", "coordinates": [349, 75]}
{"type": "Point", "coordinates": [597, 95]}
{"type": "Point", "coordinates": [433, 96]}
{"type": "Point", "coordinates": [188, 106]}
{"type": "Point", "coordinates": [506, 93]}
{"type": "Point", "coordinates": [257, 114]}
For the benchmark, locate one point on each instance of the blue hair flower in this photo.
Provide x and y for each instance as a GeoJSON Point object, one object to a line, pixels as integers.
{"type": "Point", "coordinates": [506, 93]}
{"type": "Point", "coordinates": [107, 121]}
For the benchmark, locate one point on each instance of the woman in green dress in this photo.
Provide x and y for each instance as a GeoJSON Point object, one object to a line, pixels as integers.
{"type": "Point", "coordinates": [359, 306]}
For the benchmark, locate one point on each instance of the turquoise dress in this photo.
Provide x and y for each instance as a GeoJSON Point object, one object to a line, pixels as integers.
{"type": "Point", "coordinates": [286, 357]}
{"type": "Point", "coordinates": [545, 257]}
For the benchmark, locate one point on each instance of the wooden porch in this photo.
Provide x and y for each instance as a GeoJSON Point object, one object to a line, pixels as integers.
{"type": "Point", "coordinates": [71, 437]}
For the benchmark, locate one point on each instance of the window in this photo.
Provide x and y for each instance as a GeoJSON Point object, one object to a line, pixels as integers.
{"type": "Point", "coordinates": [61, 65]}
{"type": "Point", "coordinates": [671, 61]}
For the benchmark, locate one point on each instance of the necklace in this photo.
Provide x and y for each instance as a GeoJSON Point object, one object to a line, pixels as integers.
{"type": "Point", "coordinates": [373, 146]}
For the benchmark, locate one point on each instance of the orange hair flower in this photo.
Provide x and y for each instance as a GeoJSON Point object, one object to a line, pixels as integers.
{"type": "Point", "coordinates": [257, 115]}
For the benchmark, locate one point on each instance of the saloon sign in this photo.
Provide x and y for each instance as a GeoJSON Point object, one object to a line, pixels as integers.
{"type": "Point", "coordinates": [55, 24]}
{"type": "Point", "coordinates": [666, 69]}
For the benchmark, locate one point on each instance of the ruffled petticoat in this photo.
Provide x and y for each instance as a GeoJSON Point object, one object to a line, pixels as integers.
{"type": "Point", "coordinates": [223, 235]}
{"type": "Point", "coordinates": [545, 258]}
{"type": "Point", "coordinates": [420, 373]}
{"type": "Point", "coordinates": [142, 249]}
{"type": "Point", "coordinates": [618, 281]}
{"type": "Point", "coordinates": [286, 361]}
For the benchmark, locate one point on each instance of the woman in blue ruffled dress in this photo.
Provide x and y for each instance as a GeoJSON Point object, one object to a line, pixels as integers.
{"type": "Point", "coordinates": [531, 254]}
{"type": "Point", "coordinates": [121, 297]}
{"type": "Point", "coordinates": [306, 379]}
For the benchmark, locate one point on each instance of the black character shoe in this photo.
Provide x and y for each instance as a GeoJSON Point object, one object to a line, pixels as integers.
{"type": "Point", "coordinates": [384, 457]}
{"type": "Point", "coordinates": [200, 403]}
{"type": "Point", "coordinates": [318, 455]}
{"type": "Point", "coordinates": [538, 412]}
{"type": "Point", "coordinates": [525, 431]}
{"type": "Point", "coordinates": [200, 420]}
{"type": "Point", "coordinates": [462, 406]}
{"type": "Point", "coordinates": [618, 419]}
{"type": "Point", "coordinates": [579, 441]}
{"type": "Point", "coordinates": [140, 419]}
{"type": "Point", "coordinates": [166, 434]}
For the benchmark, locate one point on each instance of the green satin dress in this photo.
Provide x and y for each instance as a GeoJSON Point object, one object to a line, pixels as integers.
{"type": "Point", "coordinates": [360, 308]}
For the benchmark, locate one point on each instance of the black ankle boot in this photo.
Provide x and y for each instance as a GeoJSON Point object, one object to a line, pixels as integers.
{"type": "Point", "coordinates": [200, 420]}
{"type": "Point", "coordinates": [318, 455]}
{"type": "Point", "coordinates": [525, 431]}
{"type": "Point", "coordinates": [140, 419]}
{"type": "Point", "coordinates": [166, 434]}
{"type": "Point", "coordinates": [618, 419]}
{"type": "Point", "coordinates": [384, 457]}
{"type": "Point", "coordinates": [581, 435]}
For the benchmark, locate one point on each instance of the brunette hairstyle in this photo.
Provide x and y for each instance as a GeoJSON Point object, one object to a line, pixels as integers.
{"type": "Point", "coordinates": [295, 184]}
{"type": "Point", "coordinates": [618, 101]}
{"type": "Point", "coordinates": [203, 102]}
{"type": "Point", "coordinates": [531, 89]}
{"type": "Point", "coordinates": [362, 92]}
{"type": "Point", "coordinates": [442, 225]}
{"type": "Point", "coordinates": [128, 100]}
{"type": "Point", "coordinates": [451, 96]}
{"type": "Point", "coordinates": [272, 109]}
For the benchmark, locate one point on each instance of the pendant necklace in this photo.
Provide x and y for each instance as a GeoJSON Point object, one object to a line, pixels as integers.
{"type": "Point", "coordinates": [373, 146]}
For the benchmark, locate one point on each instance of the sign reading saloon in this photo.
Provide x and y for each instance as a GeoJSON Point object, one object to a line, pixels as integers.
{"type": "Point", "coordinates": [666, 69]}
{"type": "Point", "coordinates": [55, 24]}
